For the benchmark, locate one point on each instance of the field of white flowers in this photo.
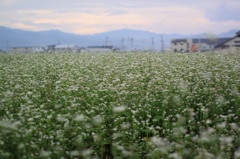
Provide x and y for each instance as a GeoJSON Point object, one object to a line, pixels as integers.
{"type": "Point", "coordinates": [140, 105]}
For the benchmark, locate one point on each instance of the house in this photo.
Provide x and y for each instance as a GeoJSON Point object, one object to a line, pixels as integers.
{"type": "Point", "coordinates": [51, 48]}
{"type": "Point", "coordinates": [230, 45]}
{"type": "Point", "coordinates": [195, 45]}
{"type": "Point", "coordinates": [34, 49]}
{"type": "Point", "coordinates": [98, 49]}
{"type": "Point", "coordinates": [63, 49]}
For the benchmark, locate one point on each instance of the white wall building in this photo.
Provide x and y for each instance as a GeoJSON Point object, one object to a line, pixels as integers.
{"type": "Point", "coordinates": [67, 49]}
{"type": "Point", "coordinates": [195, 45]}
{"type": "Point", "coordinates": [98, 49]}
{"type": "Point", "coordinates": [231, 45]}
{"type": "Point", "coordinates": [32, 49]}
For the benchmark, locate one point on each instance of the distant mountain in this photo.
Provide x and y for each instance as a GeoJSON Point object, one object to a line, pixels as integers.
{"type": "Point", "coordinates": [124, 38]}
{"type": "Point", "coordinates": [128, 39]}
{"type": "Point", "coordinates": [230, 33]}
{"type": "Point", "coordinates": [128, 33]}
{"type": "Point", "coordinates": [19, 38]}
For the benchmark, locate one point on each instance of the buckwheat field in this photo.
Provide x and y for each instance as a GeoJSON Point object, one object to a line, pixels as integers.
{"type": "Point", "coordinates": [136, 105]}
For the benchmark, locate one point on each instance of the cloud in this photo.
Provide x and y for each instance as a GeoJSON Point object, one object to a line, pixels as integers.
{"type": "Point", "coordinates": [225, 11]}
{"type": "Point", "coordinates": [78, 16]}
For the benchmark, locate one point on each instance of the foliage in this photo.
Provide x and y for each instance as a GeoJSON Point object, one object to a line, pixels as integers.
{"type": "Point", "coordinates": [141, 105]}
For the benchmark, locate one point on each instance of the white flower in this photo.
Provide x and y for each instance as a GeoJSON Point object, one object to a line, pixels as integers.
{"type": "Point", "coordinates": [175, 156]}
{"type": "Point", "coordinates": [8, 93]}
{"type": "Point", "coordinates": [125, 125]}
{"type": "Point", "coordinates": [61, 119]}
{"type": "Point", "coordinates": [17, 86]}
{"type": "Point", "coordinates": [6, 124]}
{"type": "Point", "coordinates": [79, 118]}
{"type": "Point", "coordinates": [74, 153]}
{"type": "Point", "coordinates": [208, 121]}
{"type": "Point", "coordinates": [233, 126]}
{"type": "Point", "coordinates": [45, 153]}
{"type": "Point", "coordinates": [226, 139]}
{"type": "Point", "coordinates": [87, 152]}
{"type": "Point", "coordinates": [57, 82]}
{"type": "Point", "coordinates": [221, 125]}
{"type": "Point", "coordinates": [97, 119]}
{"type": "Point", "coordinates": [204, 154]}
{"type": "Point", "coordinates": [237, 154]}
{"type": "Point", "coordinates": [158, 141]}
{"type": "Point", "coordinates": [118, 109]}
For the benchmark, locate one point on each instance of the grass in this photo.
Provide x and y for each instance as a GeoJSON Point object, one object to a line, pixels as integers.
{"type": "Point", "coordinates": [141, 105]}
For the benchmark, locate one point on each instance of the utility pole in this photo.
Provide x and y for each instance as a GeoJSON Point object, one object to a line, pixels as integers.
{"type": "Point", "coordinates": [7, 46]}
{"type": "Point", "coordinates": [144, 48]}
{"type": "Point", "coordinates": [162, 44]}
{"type": "Point", "coordinates": [106, 41]}
{"type": "Point", "coordinates": [152, 43]}
{"type": "Point", "coordinates": [131, 43]}
{"type": "Point", "coordinates": [122, 43]}
{"type": "Point", "coordinates": [199, 44]}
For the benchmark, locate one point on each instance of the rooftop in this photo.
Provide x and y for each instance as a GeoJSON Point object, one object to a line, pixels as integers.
{"type": "Point", "coordinates": [102, 47]}
{"type": "Point", "coordinates": [214, 42]}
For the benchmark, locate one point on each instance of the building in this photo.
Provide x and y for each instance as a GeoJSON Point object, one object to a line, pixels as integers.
{"type": "Point", "coordinates": [195, 45]}
{"type": "Point", "coordinates": [98, 49]}
{"type": "Point", "coordinates": [51, 48]}
{"type": "Point", "coordinates": [230, 45]}
{"type": "Point", "coordinates": [67, 49]}
{"type": "Point", "coordinates": [34, 49]}
{"type": "Point", "coordinates": [63, 49]}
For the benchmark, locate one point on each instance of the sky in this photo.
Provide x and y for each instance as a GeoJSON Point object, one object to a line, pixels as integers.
{"type": "Point", "coordinates": [96, 16]}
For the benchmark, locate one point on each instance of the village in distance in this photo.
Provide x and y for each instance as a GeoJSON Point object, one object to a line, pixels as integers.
{"type": "Point", "coordinates": [131, 41]}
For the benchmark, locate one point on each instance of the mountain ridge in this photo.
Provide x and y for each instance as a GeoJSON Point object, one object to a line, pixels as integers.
{"type": "Point", "coordinates": [122, 38]}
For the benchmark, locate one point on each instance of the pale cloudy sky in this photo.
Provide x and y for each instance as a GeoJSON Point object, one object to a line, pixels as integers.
{"type": "Point", "coordinates": [95, 16]}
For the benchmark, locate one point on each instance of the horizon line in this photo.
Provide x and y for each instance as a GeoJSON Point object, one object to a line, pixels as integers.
{"type": "Point", "coordinates": [20, 29]}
